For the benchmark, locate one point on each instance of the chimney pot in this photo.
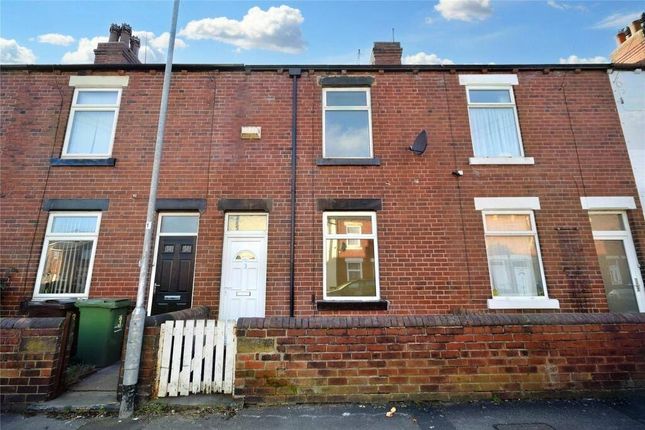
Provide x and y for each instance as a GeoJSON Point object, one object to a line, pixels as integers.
{"type": "Point", "coordinates": [115, 32]}
{"type": "Point", "coordinates": [135, 44]}
{"type": "Point", "coordinates": [387, 53]}
{"type": "Point", "coordinates": [121, 47]}
{"type": "Point", "coordinates": [621, 37]}
{"type": "Point", "coordinates": [635, 26]}
{"type": "Point", "coordinates": [126, 33]}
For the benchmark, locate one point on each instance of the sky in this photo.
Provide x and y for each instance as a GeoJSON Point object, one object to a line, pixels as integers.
{"type": "Point", "coordinates": [321, 32]}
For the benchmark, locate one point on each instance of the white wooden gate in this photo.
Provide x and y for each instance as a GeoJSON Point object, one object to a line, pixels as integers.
{"type": "Point", "coordinates": [196, 356]}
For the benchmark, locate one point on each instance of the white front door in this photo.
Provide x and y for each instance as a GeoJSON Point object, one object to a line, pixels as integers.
{"type": "Point", "coordinates": [244, 263]}
{"type": "Point", "coordinates": [618, 262]}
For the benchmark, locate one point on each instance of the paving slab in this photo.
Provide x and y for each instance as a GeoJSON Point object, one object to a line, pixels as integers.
{"type": "Point", "coordinates": [106, 379]}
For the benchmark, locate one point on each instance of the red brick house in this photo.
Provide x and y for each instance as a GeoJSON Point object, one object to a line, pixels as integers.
{"type": "Point", "coordinates": [523, 199]}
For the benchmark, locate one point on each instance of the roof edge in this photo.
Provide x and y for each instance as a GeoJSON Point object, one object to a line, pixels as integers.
{"type": "Point", "coordinates": [318, 67]}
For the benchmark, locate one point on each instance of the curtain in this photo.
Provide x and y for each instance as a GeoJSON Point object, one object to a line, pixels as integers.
{"type": "Point", "coordinates": [494, 132]}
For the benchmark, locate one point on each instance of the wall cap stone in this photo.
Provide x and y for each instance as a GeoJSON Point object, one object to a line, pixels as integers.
{"type": "Point", "coordinates": [24, 323]}
{"type": "Point", "coordinates": [442, 320]}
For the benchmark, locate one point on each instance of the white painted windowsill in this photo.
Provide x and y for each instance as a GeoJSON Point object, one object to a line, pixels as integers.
{"type": "Point", "coordinates": [523, 303]}
{"type": "Point", "coordinates": [501, 160]}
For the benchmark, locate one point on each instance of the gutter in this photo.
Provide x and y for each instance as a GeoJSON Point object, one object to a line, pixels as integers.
{"type": "Point", "coordinates": [294, 73]}
{"type": "Point", "coordinates": [316, 67]}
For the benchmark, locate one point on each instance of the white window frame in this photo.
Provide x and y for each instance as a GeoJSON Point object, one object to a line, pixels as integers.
{"type": "Point", "coordinates": [153, 270]}
{"type": "Point", "coordinates": [49, 236]}
{"type": "Point", "coordinates": [517, 302]}
{"type": "Point", "coordinates": [368, 108]}
{"type": "Point", "coordinates": [91, 108]}
{"type": "Point", "coordinates": [354, 261]}
{"type": "Point", "coordinates": [372, 236]}
{"type": "Point", "coordinates": [521, 159]}
{"type": "Point", "coordinates": [354, 243]}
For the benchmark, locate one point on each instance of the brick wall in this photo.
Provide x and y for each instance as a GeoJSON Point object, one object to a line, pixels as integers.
{"type": "Point", "coordinates": [431, 241]}
{"type": "Point", "coordinates": [31, 358]}
{"type": "Point", "coordinates": [475, 356]}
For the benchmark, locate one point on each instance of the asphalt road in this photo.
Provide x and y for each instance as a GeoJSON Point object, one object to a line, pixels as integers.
{"type": "Point", "coordinates": [607, 414]}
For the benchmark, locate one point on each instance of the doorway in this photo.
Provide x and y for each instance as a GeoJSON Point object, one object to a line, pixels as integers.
{"type": "Point", "coordinates": [244, 266]}
{"type": "Point", "coordinates": [174, 264]}
{"type": "Point", "coordinates": [618, 262]}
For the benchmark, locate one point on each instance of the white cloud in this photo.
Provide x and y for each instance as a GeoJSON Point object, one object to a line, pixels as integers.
{"type": "Point", "coordinates": [574, 59]}
{"type": "Point", "coordinates": [565, 6]}
{"type": "Point", "coordinates": [423, 58]}
{"type": "Point", "coordinates": [617, 20]}
{"type": "Point", "coordinates": [464, 10]}
{"type": "Point", "coordinates": [13, 53]}
{"type": "Point", "coordinates": [84, 53]}
{"type": "Point", "coordinates": [153, 48]}
{"type": "Point", "coordinates": [276, 29]}
{"type": "Point", "coordinates": [55, 39]}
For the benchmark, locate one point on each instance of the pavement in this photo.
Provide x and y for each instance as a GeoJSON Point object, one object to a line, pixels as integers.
{"type": "Point", "coordinates": [617, 413]}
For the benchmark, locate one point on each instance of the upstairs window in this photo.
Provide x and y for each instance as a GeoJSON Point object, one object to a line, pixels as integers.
{"type": "Point", "coordinates": [67, 258]}
{"type": "Point", "coordinates": [494, 126]}
{"type": "Point", "coordinates": [92, 123]}
{"type": "Point", "coordinates": [351, 256]}
{"type": "Point", "coordinates": [347, 123]}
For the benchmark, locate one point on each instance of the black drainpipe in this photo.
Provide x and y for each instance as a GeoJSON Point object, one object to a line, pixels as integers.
{"type": "Point", "coordinates": [295, 74]}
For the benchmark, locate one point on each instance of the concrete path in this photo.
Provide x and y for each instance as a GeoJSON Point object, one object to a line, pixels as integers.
{"type": "Point", "coordinates": [97, 392]}
{"type": "Point", "coordinates": [627, 413]}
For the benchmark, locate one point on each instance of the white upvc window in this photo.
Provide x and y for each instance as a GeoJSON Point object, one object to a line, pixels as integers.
{"type": "Point", "coordinates": [513, 250]}
{"type": "Point", "coordinates": [347, 123]}
{"type": "Point", "coordinates": [67, 258]}
{"type": "Point", "coordinates": [350, 273]}
{"type": "Point", "coordinates": [92, 123]}
{"type": "Point", "coordinates": [494, 124]}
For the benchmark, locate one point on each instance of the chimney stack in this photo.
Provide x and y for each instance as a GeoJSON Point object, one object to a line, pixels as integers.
{"type": "Point", "coordinates": [386, 53]}
{"type": "Point", "coordinates": [631, 43]}
{"type": "Point", "coordinates": [121, 47]}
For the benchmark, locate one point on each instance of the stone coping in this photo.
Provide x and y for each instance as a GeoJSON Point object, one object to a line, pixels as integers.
{"type": "Point", "coordinates": [442, 320]}
{"type": "Point", "coordinates": [33, 322]}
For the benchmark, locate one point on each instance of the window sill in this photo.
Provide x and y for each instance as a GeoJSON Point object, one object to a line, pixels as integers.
{"type": "Point", "coordinates": [349, 305]}
{"type": "Point", "coordinates": [523, 303]}
{"type": "Point", "coordinates": [83, 162]}
{"type": "Point", "coordinates": [501, 160]}
{"type": "Point", "coordinates": [348, 161]}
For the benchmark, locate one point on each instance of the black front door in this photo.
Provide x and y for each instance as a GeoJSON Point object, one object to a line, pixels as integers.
{"type": "Point", "coordinates": [174, 274]}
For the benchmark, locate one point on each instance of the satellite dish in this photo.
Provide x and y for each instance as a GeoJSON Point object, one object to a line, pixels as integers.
{"type": "Point", "coordinates": [420, 143]}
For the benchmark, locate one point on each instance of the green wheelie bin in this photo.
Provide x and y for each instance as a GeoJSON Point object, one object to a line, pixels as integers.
{"type": "Point", "coordinates": [100, 331]}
